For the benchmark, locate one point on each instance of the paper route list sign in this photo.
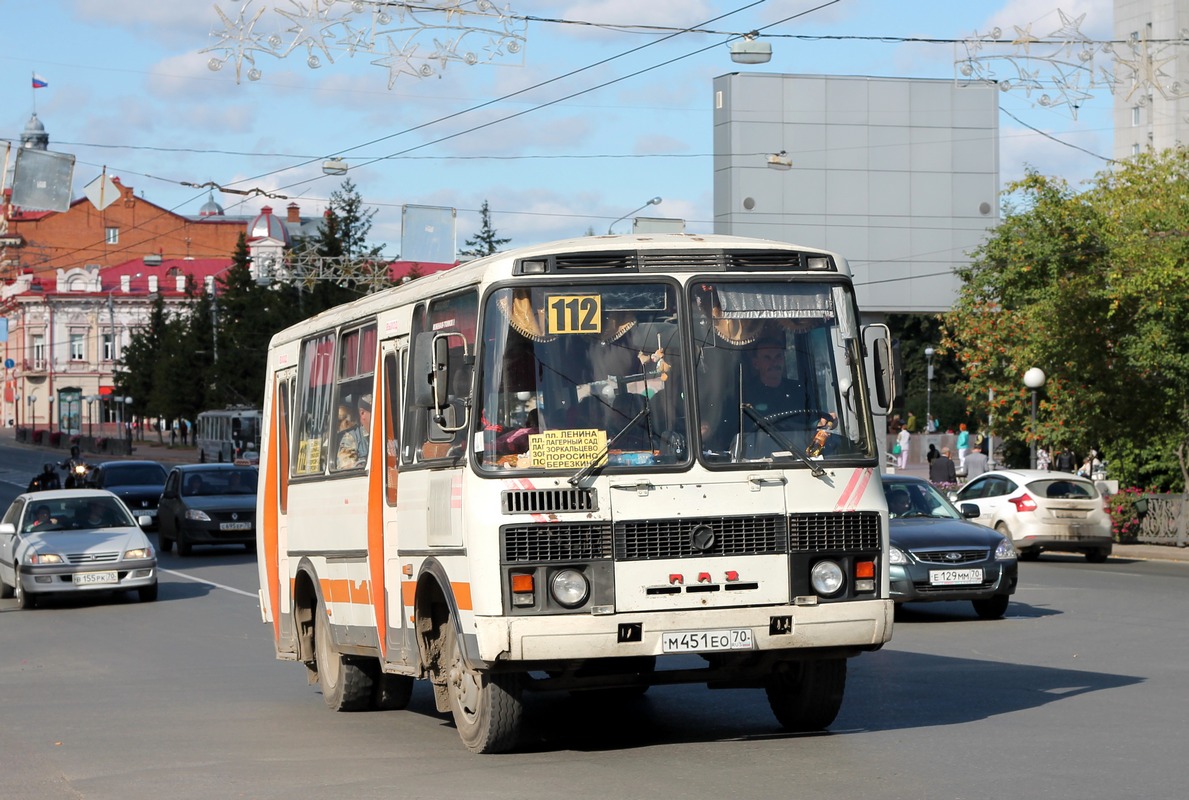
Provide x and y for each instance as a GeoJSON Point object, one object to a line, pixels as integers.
{"type": "Point", "coordinates": [567, 449]}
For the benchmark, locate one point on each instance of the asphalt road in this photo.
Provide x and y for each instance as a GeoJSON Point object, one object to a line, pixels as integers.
{"type": "Point", "coordinates": [1079, 693]}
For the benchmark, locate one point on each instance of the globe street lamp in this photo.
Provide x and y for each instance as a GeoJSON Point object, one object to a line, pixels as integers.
{"type": "Point", "coordinates": [1034, 379]}
{"type": "Point", "coordinates": [653, 202]}
{"type": "Point", "coordinates": [929, 351]}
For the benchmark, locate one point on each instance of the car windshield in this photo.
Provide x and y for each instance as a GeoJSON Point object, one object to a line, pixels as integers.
{"type": "Point", "coordinates": [917, 499]}
{"type": "Point", "coordinates": [76, 513]}
{"type": "Point", "coordinates": [219, 482]}
{"type": "Point", "coordinates": [134, 475]}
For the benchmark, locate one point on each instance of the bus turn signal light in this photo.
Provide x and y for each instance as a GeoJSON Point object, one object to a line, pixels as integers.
{"type": "Point", "coordinates": [522, 583]}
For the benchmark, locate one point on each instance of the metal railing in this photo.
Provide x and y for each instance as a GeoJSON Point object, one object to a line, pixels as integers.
{"type": "Point", "coordinates": [1166, 522]}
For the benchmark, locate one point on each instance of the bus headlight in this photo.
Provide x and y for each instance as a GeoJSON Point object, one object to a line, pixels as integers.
{"type": "Point", "coordinates": [826, 577]}
{"type": "Point", "coordinates": [569, 588]}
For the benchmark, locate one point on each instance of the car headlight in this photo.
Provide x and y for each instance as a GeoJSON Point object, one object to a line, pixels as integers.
{"type": "Point", "coordinates": [139, 552]}
{"type": "Point", "coordinates": [896, 556]}
{"type": "Point", "coordinates": [45, 558]}
{"type": "Point", "coordinates": [1005, 551]}
{"type": "Point", "coordinates": [569, 587]}
{"type": "Point", "coordinates": [197, 514]}
{"type": "Point", "coordinates": [826, 578]}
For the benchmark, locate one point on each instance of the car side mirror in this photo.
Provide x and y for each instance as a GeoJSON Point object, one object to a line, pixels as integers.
{"type": "Point", "coordinates": [7, 529]}
{"type": "Point", "coordinates": [144, 521]}
{"type": "Point", "coordinates": [969, 510]}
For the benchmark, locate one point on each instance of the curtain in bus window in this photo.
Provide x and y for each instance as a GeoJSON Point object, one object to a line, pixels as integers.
{"type": "Point", "coordinates": [391, 426]}
{"type": "Point", "coordinates": [317, 386]}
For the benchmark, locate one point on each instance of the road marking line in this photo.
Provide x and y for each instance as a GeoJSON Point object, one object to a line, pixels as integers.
{"type": "Point", "coordinates": [203, 580]}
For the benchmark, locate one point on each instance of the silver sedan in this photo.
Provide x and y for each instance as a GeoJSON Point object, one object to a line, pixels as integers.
{"type": "Point", "coordinates": [70, 541]}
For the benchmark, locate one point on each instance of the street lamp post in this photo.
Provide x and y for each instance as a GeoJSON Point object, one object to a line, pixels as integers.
{"type": "Point", "coordinates": [1034, 379]}
{"type": "Point", "coordinates": [929, 351]}
{"type": "Point", "coordinates": [653, 202]}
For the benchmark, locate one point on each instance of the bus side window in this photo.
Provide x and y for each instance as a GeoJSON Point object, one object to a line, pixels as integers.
{"type": "Point", "coordinates": [425, 438]}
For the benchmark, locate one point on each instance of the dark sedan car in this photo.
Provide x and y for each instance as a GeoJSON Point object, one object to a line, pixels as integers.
{"type": "Point", "coordinates": [208, 504]}
{"type": "Point", "coordinates": [937, 554]}
{"type": "Point", "coordinates": [138, 483]}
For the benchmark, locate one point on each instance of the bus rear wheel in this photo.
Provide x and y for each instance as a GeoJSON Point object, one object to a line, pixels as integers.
{"type": "Point", "coordinates": [806, 696]}
{"type": "Point", "coordinates": [486, 707]}
{"type": "Point", "coordinates": [345, 686]}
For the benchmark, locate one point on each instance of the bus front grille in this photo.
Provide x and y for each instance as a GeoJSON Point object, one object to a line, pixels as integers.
{"type": "Point", "coordinates": [640, 540]}
{"type": "Point", "coordinates": [547, 501]}
{"type": "Point", "coordinates": [846, 531]}
{"type": "Point", "coordinates": [524, 544]}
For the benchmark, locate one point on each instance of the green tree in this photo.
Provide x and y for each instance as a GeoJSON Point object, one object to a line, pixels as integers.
{"type": "Point", "coordinates": [485, 242]}
{"type": "Point", "coordinates": [1091, 288]}
{"type": "Point", "coordinates": [133, 374]}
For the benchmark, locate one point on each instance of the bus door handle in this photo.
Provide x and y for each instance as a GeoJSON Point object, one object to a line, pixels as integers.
{"type": "Point", "coordinates": [642, 487]}
{"type": "Point", "coordinates": [756, 482]}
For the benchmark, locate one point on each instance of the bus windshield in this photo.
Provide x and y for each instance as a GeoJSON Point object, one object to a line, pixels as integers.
{"type": "Point", "coordinates": [575, 373]}
{"type": "Point", "coordinates": [778, 372]}
{"type": "Point", "coordinates": [578, 376]}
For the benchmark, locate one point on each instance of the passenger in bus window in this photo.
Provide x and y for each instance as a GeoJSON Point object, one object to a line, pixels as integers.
{"type": "Point", "coordinates": [365, 428]}
{"type": "Point", "coordinates": [348, 433]}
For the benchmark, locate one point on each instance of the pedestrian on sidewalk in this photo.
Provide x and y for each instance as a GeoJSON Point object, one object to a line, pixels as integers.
{"type": "Point", "coordinates": [942, 469]}
{"type": "Point", "coordinates": [963, 444]}
{"type": "Point", "coordinates": [903, 438]}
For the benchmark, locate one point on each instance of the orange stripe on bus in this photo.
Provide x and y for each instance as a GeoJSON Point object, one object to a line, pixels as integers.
{"type": "Point", "coordinates": [462, 594]}
{"type": "Point", "coordinates": [375, 505]}
{"type": "Point", "coordinates": [270, 522]}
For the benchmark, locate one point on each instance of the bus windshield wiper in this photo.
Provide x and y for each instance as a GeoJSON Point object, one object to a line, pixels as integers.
{"type": "Point", "coordinates": [769, 429]}
{"type": "Point", "coordinates": [594, 462]}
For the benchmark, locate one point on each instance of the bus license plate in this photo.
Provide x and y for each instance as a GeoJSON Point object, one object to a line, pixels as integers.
{"type": "Point", "coordinates": [702, 641]}
{"type": "Point", "coordinates": [91, 578]}
{"type": "Point", "coordinates": [235, 526]}
{"type": "Point", "coordinates": [955, 577]}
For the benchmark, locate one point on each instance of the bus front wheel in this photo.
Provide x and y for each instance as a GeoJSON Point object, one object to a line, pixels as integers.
{"type": "Point", "coordinates": [486, 707]}
{"type": "Point", "coordinates": [806, 696]}
{"type": "Point", "coordinates": [345, 686]}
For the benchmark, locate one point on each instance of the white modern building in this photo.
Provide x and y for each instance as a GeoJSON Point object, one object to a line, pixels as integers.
{"type": "Point", "coordinates": [901, 176]}
{"type": "Point", "coordinates": [1152, 105]}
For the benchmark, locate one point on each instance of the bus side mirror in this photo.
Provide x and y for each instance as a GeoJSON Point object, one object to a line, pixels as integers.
{"type": "Point", "coordinates": [883, 367]}
{"type": "Point", "coordinates": [432, 366]}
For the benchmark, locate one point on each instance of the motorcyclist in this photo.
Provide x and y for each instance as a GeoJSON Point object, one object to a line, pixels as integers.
{"type": "Point", "coordinates": [46, 480]}
{"type": "Point", "coordinates": [76, 469]}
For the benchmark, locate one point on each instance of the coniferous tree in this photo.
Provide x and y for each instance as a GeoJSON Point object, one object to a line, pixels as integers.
{"type": "Point", "coordinates": [485, 242]}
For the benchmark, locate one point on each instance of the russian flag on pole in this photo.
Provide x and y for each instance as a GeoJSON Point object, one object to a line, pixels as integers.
{"type": "Point", "coordinates": [39, 82]}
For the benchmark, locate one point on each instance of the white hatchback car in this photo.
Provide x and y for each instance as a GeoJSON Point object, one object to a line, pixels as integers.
{"type": "Point", "coordinates": [1040, 510]}
{"type": "Point", "coordinates": [73, 540]}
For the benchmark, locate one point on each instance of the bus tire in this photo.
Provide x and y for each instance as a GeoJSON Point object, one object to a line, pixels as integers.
{"type": "Point", "coordinates": [806, 696]}
{"type": "Point", "coordinates": [486, 707]}
{"type": "Point", "coordinates": [345, 686]}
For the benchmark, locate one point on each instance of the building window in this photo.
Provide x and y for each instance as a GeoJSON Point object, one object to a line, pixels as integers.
{"type": "Point", "coordinates": [107, 346]}
{"type": "Point", "coordinates": [78, 347]}
{"type": "Point", "coordinates": [38, 353]}
{"type": "Point", "coordinates": [1134, 116]}
{"type": "Point", "coordinates": [113, 235]}
{"type": "Point", "coordinates": [1135, 149]}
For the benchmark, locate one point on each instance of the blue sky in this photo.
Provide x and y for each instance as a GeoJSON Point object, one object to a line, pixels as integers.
{"type": "Point", "coordinates": [130, 89]}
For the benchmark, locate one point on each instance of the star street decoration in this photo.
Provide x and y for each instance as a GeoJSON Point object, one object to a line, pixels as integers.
{"type": "Point", "coordinates": [417, 39]}
{"type": "Point", "coordinates": [1059, 70]}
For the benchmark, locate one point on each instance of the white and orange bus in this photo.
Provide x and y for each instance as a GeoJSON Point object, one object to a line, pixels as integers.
{"type": "Point", "coordinates": [548, 469]}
